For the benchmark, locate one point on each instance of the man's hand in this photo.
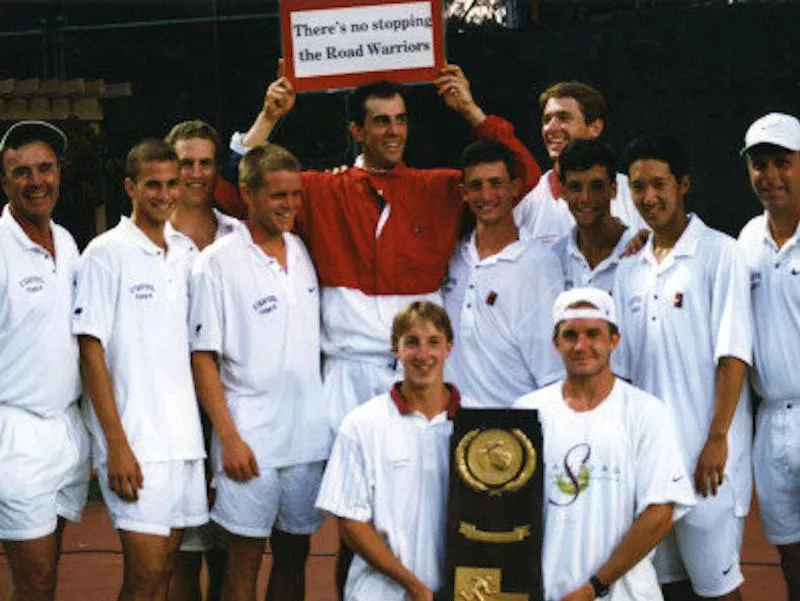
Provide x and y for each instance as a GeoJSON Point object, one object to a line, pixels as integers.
{"type": "Point", "coordinates": [421, 594]}
{"type": "Point", "coordinates": [280, 96]}
{"type": "Point", "coordinates": [453, 86]}
{"type": "Point", "coordinates": [584, 593]}
{"type": "Point", "coordinates": [238, 460]}
{"type": "Point", "coordinates": [124, 474]}
{"type": "Point", "coordinates": [711, 465]}
{"type": "Point", "coordinates": [636, 243]}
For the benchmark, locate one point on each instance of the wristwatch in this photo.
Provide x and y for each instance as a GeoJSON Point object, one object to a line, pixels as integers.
{"type": "Point", "coordinates": [600, 588]}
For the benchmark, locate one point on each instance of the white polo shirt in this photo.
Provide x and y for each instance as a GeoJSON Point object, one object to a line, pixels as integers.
{"type": "Point", "coordinates": [677, 319]}
{"type": "Point", "coordinates": [578, 273]}
{"type": "Point", "coordinates": [546, 218]}
{"type": "Point", "coordinates": [501, 311]}
{"type": "Point", "coordinates": [263, 323]}
{"type": "Point", "coordinates": [225, 225]}
{"type": "Point", "coordinates": [390, 467]}
{"type": "Point", "coordinates": [39, 369]}
{"type": "Point", "coordinates": [603, 468]}
{"type": "Point", "coordinates": [134, 300]}
{"type": "Point", "coordinates": [775, 293]}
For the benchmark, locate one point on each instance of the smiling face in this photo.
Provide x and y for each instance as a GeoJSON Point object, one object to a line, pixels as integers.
{"type": "Point", "coordinates": [198, 171]}
{"type": "Point", "coordinates": [423, 349]}
{"type": "Point", "coordinates": [562, 121]}
{"type": "Point", "coordinates": [272, 207]}
{"type": "Point", "coordinates": [774, 174]}
{"type": "Point", "coordinates": [657, 194]}
{"type": "Point", "coordinates": [585, 345]}
{"type": "Point", "coordinates": [490, 192]}
{"type": "Point", "coordinates": [588, 194]}
{"type": "Point", "coordinates": [384, 132]}
{"type": "Point", "coordinates": [31, 178]}
{"type": "Point", "coordinates": [153, 193]}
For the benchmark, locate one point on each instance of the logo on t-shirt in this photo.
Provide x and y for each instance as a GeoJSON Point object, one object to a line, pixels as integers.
{"type": "Point", "coordinates": [576, 475]}
{"type": "Point", "coordinates": [32, 284]}
{"type": "Point", "coordinates": [755, 280]}
{"type": "Point", "coordinates": [266, 304]}
{"type": "Point", "coordinates": [143, 291]}
{"type": "Point", "coordinates": [677, 302]}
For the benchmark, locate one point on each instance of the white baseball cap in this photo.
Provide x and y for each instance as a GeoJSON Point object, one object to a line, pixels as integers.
{"type": "Point", "coordinates": [602, 305]}
{"type": "Point", "coordinates": [777, 129]}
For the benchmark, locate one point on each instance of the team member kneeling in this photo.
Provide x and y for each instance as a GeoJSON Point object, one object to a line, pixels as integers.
{"type": "Point", "coordinates": [614, 480]}
{"type": "Point", "coordinates": [386, 480]}
{"type": "Point", "coordinates": [255, 311]}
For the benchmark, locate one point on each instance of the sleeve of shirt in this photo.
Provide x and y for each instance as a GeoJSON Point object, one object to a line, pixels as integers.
{"type": "Point", "coordinates": [526, 168]}
{"type": "Point", "coordinates": [731, 313]}
{"type": "Point", "coordinates": [96, 295]}
{"type": "Point", "coordinates": [536, 328]}
{"type": "Point", "coordinates": [345, 490]}
{"type": "Point", "coordinates": [661, 476]}
{"type": "Point", "coordinates": [205, 308]}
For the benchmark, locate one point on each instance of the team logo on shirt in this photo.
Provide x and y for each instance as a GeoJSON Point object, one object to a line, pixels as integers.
{"type": "Point", "coordinates": [266, 304]}
{"type": "Point", "coordinates": [449, 285]}
{"type": "Point", "coordinates": [755, 280]}
{"type": "Point", "coordinates": [576, 474]}
{"type": "Point", "coordinates": [635, 304]}
{"type": "Point", "coordinates": [569, 285]}
{"type": "Point", "coordinates": [677, 301]}
{"type": "Point", "coordinates": [32, 284]}
{"type": "Point", "coordinates": [143, 291]}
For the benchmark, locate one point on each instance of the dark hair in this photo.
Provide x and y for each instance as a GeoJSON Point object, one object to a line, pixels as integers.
{"type": "Point", "coordinates": [661, 148]}
{"type": "Point", "coordinates": [186, 130]}
{"type": "Point", "coordinates": [591, 102]}
{"type": "Point", "coordinates": [150, 150]}
{"type": "Point", "coordinates": [265, 159]}
{"type": "Point", "coordinates": [488, 151]}
{"type": "Point", "coordinates": [357, 101]}
{"type": "Point", "coordinates": [426, 311]}
{"type": "Point", "coordinates": [582, 155]}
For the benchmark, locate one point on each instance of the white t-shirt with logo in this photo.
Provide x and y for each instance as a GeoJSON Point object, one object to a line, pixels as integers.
{"type": "Point", "coordinates": [133, 298]}
{"type": "Point", "coordinates": [603, 468]}
{"type": "Point", "coordinates": [39, 370]}
{"type": "Point", "coordinates": [678, 318]}
{"type": "Point", "coordinates": [263, 323]}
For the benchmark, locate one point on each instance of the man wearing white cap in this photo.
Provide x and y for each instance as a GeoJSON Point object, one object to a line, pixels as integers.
{"type": "Point", "coordinates": [614, 482]}
{"type": "Point", "coordinates": [44, 449]}
{"type": "Point", "coordinates": [770, 243]}
{"type": "Point", "coordinates": [684, 306]}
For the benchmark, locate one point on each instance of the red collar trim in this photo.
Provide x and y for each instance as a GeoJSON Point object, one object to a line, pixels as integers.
{"type": "Point", "coordinates": [555, 184]}
{"type": "Point", "coordinates": [402, 405]}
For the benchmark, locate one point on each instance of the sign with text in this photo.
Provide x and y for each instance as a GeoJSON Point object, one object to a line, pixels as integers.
{"type": "Point", "coordinates": [332, 44]}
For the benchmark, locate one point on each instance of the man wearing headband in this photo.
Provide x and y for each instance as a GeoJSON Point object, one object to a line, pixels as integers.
{"type": "Point", "coordinates": [614, 481]}
{"type": "Point", "coordinates": [770, 243]}
{"type": "Point", "coordinates": [44, 448]}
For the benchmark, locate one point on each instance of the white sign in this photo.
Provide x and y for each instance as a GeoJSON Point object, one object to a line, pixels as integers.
{"type": "Point", "coordinates": [339, 41]}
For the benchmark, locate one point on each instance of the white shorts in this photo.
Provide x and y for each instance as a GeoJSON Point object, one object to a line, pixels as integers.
{"type": "Point", "coordinates": [282, 498]}
{"type": "Point", "coordinates": [704, 546]}
{"type": "Point", "coordinates": [44, 471]}
{"type": "Point", "coordinates": [349, 383]}
{"type": "Point", "coordinates": [199, 539]}
{"type": "Point", "coordinates": [173, 496]}
{"type": "Point", "coordinates": [776, 458]}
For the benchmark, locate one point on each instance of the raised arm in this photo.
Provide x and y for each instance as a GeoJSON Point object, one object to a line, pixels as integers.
{"type": "Point", "coordinates": [363, 539]}
{"type": "Point", "coordinates": [453, 86]}
{"type": "Point", "coordinates": [278, 101]}
{"type": "Point", "coordinates": [124, 473]}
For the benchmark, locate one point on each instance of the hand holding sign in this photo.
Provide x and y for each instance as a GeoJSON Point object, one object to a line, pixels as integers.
{"type": "Point", "coordinates": [280, 96]}
{"type": "Point", "coordinates": [453, 86]}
